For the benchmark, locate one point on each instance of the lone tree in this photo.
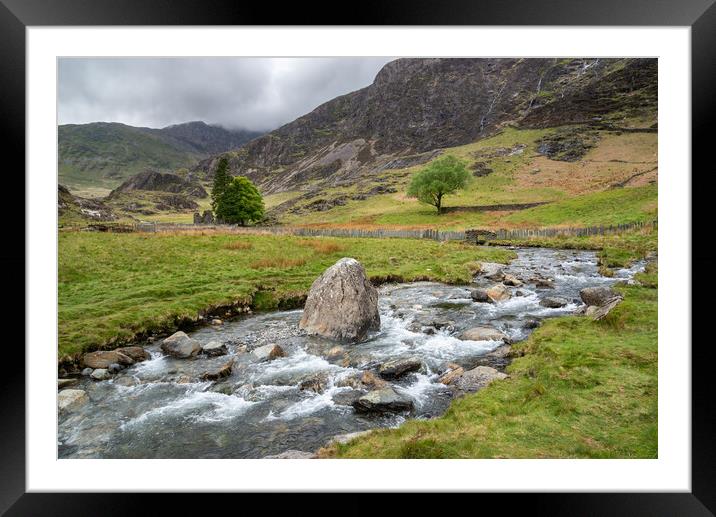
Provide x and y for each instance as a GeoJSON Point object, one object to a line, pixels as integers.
{"type": "Point", "coordinates": [438, 179]}
{"type": "Point", "coordinates": [240, 203]}
{"type": "Point", "coordinates": [222, 179]}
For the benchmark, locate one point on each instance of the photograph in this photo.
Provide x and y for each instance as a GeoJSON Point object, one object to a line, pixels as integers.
{"type": "Point", "coordinates": [389, 257]}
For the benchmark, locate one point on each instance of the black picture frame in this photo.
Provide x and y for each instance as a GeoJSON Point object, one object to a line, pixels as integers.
{"type": "Point", "coordinates": [700, 15]}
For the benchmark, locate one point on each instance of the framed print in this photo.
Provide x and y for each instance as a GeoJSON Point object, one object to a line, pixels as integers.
{"type": "Point", "coordinates": [417, 253]}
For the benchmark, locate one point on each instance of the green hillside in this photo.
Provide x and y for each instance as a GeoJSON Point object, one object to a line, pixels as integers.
{"type": "Point", "coordinates": [104, 154]}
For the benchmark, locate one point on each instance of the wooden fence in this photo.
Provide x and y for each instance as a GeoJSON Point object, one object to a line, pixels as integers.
{"type": "Point", "coordinates": [438, 235]}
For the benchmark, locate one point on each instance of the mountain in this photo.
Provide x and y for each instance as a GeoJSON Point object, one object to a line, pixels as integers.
{"type": "Point", "coordinates": [415, 107]}
{"type": "Point", "coordinates": [105, 153]}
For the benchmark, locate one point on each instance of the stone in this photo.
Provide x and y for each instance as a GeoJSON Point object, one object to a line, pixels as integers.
{"type": "Point", "coordinates": [181, 346]}
{"type": "Point", "coordinates": [126, 380]}
{"type": "Point", "coordinates": [542, 283]}
{"type": "Point", "coordinates": [398, 367]}
{"type": "Point", "coordinates": [336, 351]}
{"type": "Point", "coordinates": [137, 353]}
{"type": "Point", "coordinates": [478, 378]}
{"type": "Point", "coordinates": [114, 368]}
{"type": "Point", "coordinates": [100, 374]}
{"type": "Point", "coordinates": [512, 280]}
{"type": "Point", "coordinates": [451, 376]}
{"type": "Point", "coordinates": [291, 454]}
{"type": "Point", "coordinates": [553, 302]}
{"type": "Point", "coordinates": [103, 358]}
{"type": "Point", "coordinates": [597, 295]}
{"type": "Point", "coordinates": [492, 271]}
{"type": "Point", "coordinates": [600, 312]}
{"type": "Point", "coordinates": [480, 295]}
{"type": "Point", "coordinates": [347, 397]}
{"type": "Point", "coordinates": [484, 333]}
{"type": "Point", "coordinates": [66, 383]}
{"type": "Point", "coordinates": [384, 400]}
{"type": "Point", "coordinates": [71, 400]}
{"type": "Point", "coordinates": [343, 439]}
{"type": "Point", "coordinates": [217, 321]}
{"type": "Point", "coordinates": [214, 348]}
{"type": "Point", "coordinates": [315, 383]}
{"type": "Point", "coordinates": [222, 371]}
{"type": "Point", "coordinates": [342, 303]}
{"type": "Point", "coordinates": [498, 293]}
{"type": "Point", "coordinates": [268, 352]}
{"type": "Point", "coordinates": [87, 372]}
{"type": "Point", "coordinates": [371, 381]}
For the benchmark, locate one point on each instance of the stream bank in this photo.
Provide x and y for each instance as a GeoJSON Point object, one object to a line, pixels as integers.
{"type": "Point", "coordinates": [161, 408]}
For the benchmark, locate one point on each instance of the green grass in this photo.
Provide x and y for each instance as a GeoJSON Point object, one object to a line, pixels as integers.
{"type": "Point", "coordinates": [114, 286]}
{"type": "Point", "coordinates": [622, 205]}
{"type": "Point", "coordinates": [583, 389]}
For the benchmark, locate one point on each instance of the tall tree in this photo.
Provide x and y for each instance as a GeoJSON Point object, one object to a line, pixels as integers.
{"type": "Point", "coordinates": [438, 179]}
{"type": "Point", "coordinates": [240, 203]}
{"type": "Point", "coordinates": [222, 179]}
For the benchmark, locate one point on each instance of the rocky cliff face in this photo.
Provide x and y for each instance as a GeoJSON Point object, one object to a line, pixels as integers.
{"type": "Point", "coordinates": [417, 106]}
{"type": "Point", "coordinates": [160, 182]}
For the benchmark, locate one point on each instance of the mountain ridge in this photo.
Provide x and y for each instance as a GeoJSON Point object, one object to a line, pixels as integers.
{"type": "Point", "coordinates": [105, 153]}
{"type": "Point", "coordinates": [416, 106]}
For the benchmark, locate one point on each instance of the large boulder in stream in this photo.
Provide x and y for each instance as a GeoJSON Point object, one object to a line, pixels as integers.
{"type": "Point", "coordinates": [342, 304]}
{"type": "Point", "coordinates": [180, 345]}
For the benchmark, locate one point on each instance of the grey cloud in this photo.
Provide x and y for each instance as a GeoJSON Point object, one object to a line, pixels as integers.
{"type": "Point", "coordinates": [251, 93]}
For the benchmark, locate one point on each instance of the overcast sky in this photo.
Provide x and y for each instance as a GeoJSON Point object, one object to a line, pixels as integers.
{"type": "Point", "coordinates": [251, 93]}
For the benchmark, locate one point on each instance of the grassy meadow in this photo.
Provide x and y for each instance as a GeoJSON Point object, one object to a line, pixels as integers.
{"type": "Point", "coordinates": [113, 286]}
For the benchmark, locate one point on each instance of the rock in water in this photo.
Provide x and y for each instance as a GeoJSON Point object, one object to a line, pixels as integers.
{"type": "Point", "coordinates": [480, 295]}
{"type": "Point", "coordinates": [69, 400]}
{"type": "Point", "coordinates": [398, 367]}
{"type": "Point", "coordinates": [268, 352]}
{"type": "Point", "coordinates": [553, 302]}
{"type": "Point", "coordinates": [484, 333]}
{"type": "Point", "coordinates": [223, 371]}
{"type": "Point", "coordinates": [498, 293]}
{"type": "Point", "coordinates": [342, 304]}
{"type": "Point", "coordinates": [492, 270]}
{"type": "Point", "coordinates": [103, 359]}
{"type": "Point", "coordinates": [383, 400]}
{"type": "Point", "coordinates": [137, 353]}
{"type": "Point", "coordinates": [180, 345]}
{"type": "Point", "coordinates": [512, 280]}
{"type": "Point", "coordinates": [214, 348]}
{"type": "Point", "coordinates": [597, 295]}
